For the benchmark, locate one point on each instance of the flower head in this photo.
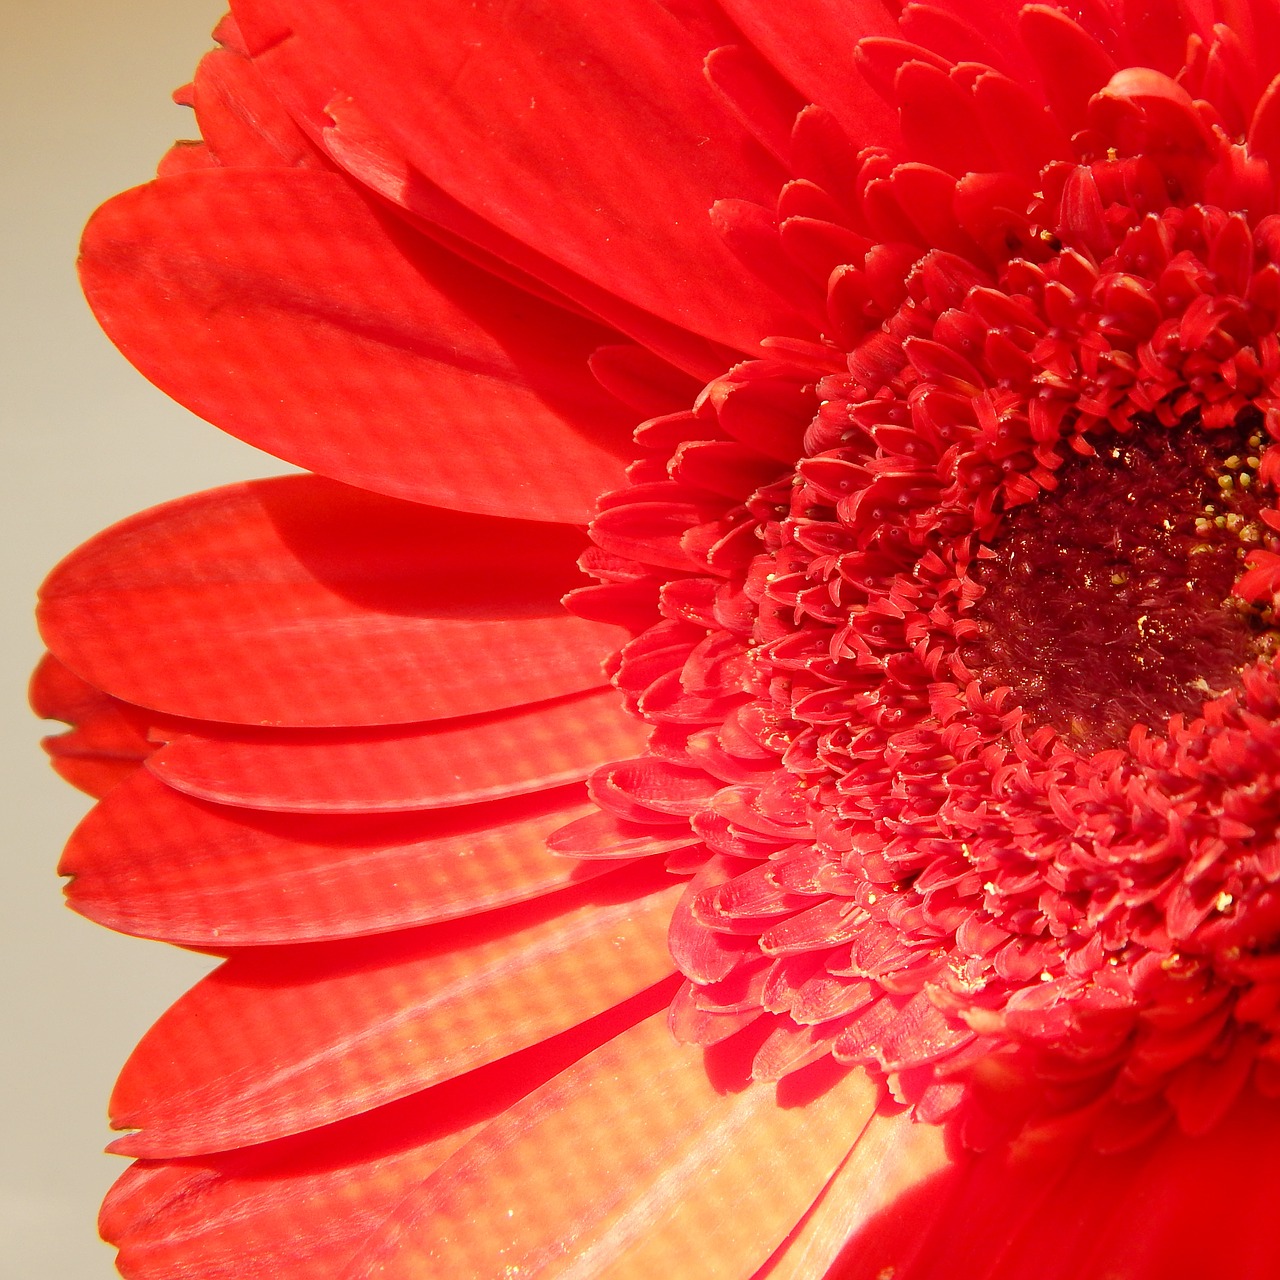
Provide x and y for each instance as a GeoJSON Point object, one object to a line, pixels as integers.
{"type": "Point", "coordinates": [940, 595]}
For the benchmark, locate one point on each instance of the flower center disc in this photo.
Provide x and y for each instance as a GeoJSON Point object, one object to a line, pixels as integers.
{"type": "Point", "coordinates": [1107, 602]}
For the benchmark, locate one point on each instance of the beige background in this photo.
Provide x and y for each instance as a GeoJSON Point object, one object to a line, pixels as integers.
{"type": "Point", "coordinates": [84, 441]}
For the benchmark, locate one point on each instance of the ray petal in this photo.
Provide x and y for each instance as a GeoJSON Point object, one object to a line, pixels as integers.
{"type": "Point", "coordinates": [623, 1164]}
{"type": "Point", "coordinates": [279, 1040]}
{"type": "Point", "coordinates": [281, 306]}
{"type": "Point", "coordinates": [445, 763]}
{"type": "Point", "coordinates": [152, 861]}
{"type": "Point", "coordinates": [302, 602]}
{"type": "Point", "coordinates": [300, 1208]}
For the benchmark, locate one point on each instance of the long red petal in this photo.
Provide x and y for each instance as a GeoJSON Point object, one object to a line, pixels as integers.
{"type": "Point", "coordinates": [151, 861]}
{"type": "Point", "coordinates": [279, 1041]}
{"type": "Point", "coordinates": [893, 1155]}
{"type": "Point", "coordinates": [302, 602]}
{"type": "Point", "coordinates": [279, 305]}
{"type": "Point", "coordinates": [300, 1208]}
{"type": "Point", "coordinates": [637, 1162]}
{"type": "Point", "coordinates": [432, 766]}
{"type": "Point", "coordinates": [551, 149]}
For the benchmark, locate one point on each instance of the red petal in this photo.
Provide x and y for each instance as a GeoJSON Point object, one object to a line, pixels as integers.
{"type": "Point", "coordinates": [298, 601]}
{"type": "Point", "coordinates": [893, 1154]}
{"type": "Point", "coordinates": [601, 835]}
{"type": "Point", "coordinates": [641, 380]}
{"type": "Point", "coordinates": [358, 146]}
{"type": "Point", "coordinates": [106, 743]}
{"type": "Point", "coordinates": [1053, 1209]}
{"type": "Point", "coordinates": [984, 37]}
{"type": "Point", "coordinates": [604, 157]}
{"type": "Point", "coordinates": [452, 763]}
{"type": "Point", "coordinates": [1264, 128]}
{"type": "Point", "coordinates": [1024, 133]}
{"type": "Point", "coordinates": [275, 303]}
{"type": "Point", "coordinates": [811, 43]}
{"type": "Point", "coordinates": [1157, 32]}
{"type": "Point", "coordinates": [241, 121]}
{"type": "Point", "coordinates": [236, 1215]}
{"type": "Point", "coordinates": [282, 1040]}
{"type": "Point", "coordinates": [700, 953]}
{"type": "Point", "coordinates": [765, 104]}
{"type": "Point", "coordinates": [623, 1165]}
{"type": "Point", "coordinates": [940, 124]}
{"type": "Point", "coordinates": [151, 861]}
{"type": "Point", "coordinates": [1073, 65]}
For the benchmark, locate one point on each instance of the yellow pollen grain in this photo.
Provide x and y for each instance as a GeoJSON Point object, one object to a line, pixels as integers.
{"type": "Point", "coordinates": [1203, 526]}
{"type": "Point", "coordinates": [1254, 441]}
{"type": "Point", "coordinates": [1252, 463]}
{"type": "Point", "coordinates": [1117, 579]}
{"type": "Point", "coordinates": [1245, 479]}
{"type": "Point", "coordinates": [1226, 483]}
{"type": "Point", "coordinates": [1223, 901]}
{"type": "Point", "coordinates": [1233, 462]}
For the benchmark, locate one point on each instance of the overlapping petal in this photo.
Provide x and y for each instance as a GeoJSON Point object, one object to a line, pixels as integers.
{"type": "Point", "coordinates": [211, 875]}
{"type": "Point", "coordinates": [692, 1160]}
{"type": "Point", "coordinates": [328, 1031]}
{"type": "Point", "coordinates": [421, 766]}
{"type": "Point", "coordinates": [581, 133]}
{"type": "Point", "coordinates": [325, 334]}
{"type": "Point", "coordinates": [308, 1205]}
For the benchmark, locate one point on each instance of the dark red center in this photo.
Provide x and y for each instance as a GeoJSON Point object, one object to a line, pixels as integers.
{"type": "Point", "coordinates": [1108, 601]}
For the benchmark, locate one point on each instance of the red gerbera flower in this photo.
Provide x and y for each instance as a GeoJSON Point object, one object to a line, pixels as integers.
{"type": "Point", "coordinates": [918, 916]}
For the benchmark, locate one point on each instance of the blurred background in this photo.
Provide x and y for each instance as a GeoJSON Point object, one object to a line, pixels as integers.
{"type": "Point", "coordinates": [85, 441]}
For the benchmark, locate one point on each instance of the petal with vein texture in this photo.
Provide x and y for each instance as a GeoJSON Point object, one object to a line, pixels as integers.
{"type": "Point", "coordinates": [280, 1040]}
{"type": "Point", "coordinates": [302, 602]}
{"type": "Point", "coordinates": [553, 149]}
{"type": "Point", "coordinates": [438, 765]}
{"type": "Point", "coordinates": [300, 1208]}
{"type": "Point", "coordinates": [615, 1167]}
{"type": "Point", "coordinates": [279, 304]}
{"type": "Point", "coordinates": [149, 860]}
